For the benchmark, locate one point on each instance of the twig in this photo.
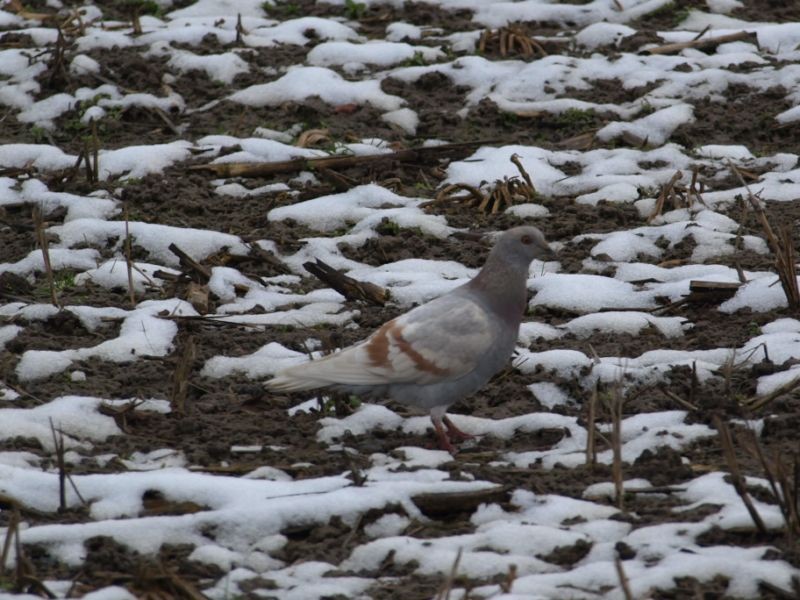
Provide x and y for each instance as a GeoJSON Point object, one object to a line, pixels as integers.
{"type": "Point", "coordinates": [782, 247]}
{"type": "Point", "coordinates": [473, 194]}
{"type": "Point", "coordinates": [17, 7]}
{"type": "Point", "coordinates": [448, 503]}
{"type": "Point", "coordinates": [128, 260]}
{"type": "Point", "coordinates": [447, 586]}
{"type": "Point", "coordinates": [736, 476]}
{"type": "Point", "coordinates": [57, 66]}
{"type": "Point", "coordinates": [615, 404]}
{"type": "Point", "coordinates": [784, 488]}
{"type": "Point", "coordinates": [268, 258]}
{"type": "Point", "coordinates": [76, 490]}
{"type": "Point", "coordinates": [696, 187]}
{"type": "Point", "coordinates": [11, 531]}
{"type": "Point", "coordinates": [665, 191]}
{"type": "Point", "coordinates": [159, 112]}
{"type": "Point", "coordinates": [591, 451]}
{"type": "Point", "coordinates": [656, 489]}
{"type": "Point", "coordinates": [187, 262]}
{"type": "Point", "coordinates": [239, 29]}
{"type": "Point", "coordinates": [757, 402]}
{"type": "Point", "coordinates": [673, 396]}
{"type": "Point", "coordinates": [347, 286]}
{"type": "Point", "coordinates": [702, 32]}
{"type": "Point", "coordinates": [705, 44]}
{"type": "Point", "coordinates": [522, 171]}
{"type": "Point", "coordinates": [136, 23]}
{"type": "Point", "coordinates": [167, 276]}
{"type": "Point", "coordinates": [780, 593]}
{"type": "Point", "coordinates": [337, 162]}
{"type": "Point", "coordinates": [219, 320]}
{"type": "Point", "coordinates": [95, 152]}
{"type": "Point", "coordinates": [180, 378]}
{"type": "Point", "coordinates": [624, 584]}
{"type": "Point", "coordinates": [58, 444]}
{"type": "Point", "coordinates": [507, 584]}
{"type": "Point", "coordinates": [711, 292]}
{"type": "Point", "coordinates": [353, 531]}
{"type": "Point", "coordinates": [197, 296]}
{"type": "Point", "coordinates": [41, 238]}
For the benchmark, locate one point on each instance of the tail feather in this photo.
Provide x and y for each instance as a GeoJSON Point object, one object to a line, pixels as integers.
{"type": "Point", "coordinates": [350, 367]}
{"type": "Point", "coordinates": [294, 379]}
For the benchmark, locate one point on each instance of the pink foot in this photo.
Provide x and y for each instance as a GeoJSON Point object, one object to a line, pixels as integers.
{"type": "Point", "coordinates": [454, 432]}
{"type": "Point", "coordinates": [441, 435]}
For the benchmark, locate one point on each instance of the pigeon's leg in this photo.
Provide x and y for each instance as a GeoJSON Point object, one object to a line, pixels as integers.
{"type": "Point", "coordinates": [454, 432]}
{"type": "Point", "coordinates": [441, 433]}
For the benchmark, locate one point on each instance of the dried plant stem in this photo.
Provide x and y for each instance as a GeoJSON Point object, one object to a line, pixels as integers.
{"type": "Point", "coordinates": [136, 23]}
{"type": "Point", "coordinates": [781, 245]}
{"type": "Point", "coordinates": [180, 378]}
{"type": "Point", "coordinates": [240, 31]}
{"type": "Point", "coordinates": [350, 288]}
{"type": "Point", "coordinates": [58, 444]}
{"type": "Point", "coordinates": [591, 451]}
{"type": "Point", "coordinates": [11, 532]}
{"type": "Point", "coordinates": [680, 401]}
{"type": "Point", "coordinates": [696, 188]}
{"type": "Point", "coordinates": [25, 579]}
{"type": "Point", "coordinates": [508, 38]}
{"type": "Point", "coordinates": [785, 263]}
{"type": "Point", "coordinates": [624, 584]}
{"type": "Point", "coordinates": [189, 264]}
{"type": "Point", "coordinates": [447, 586]}
{"type": "Point", "coordinates": [75, 489]}
{"type": "Point", "coordinates": [63, 475]}
{"type": "Point", "coordinates": [616, 403]}
{"type": "Point", "coordinates": [704, 44]}
{"type": "Point", "coordinates": [757, 402]}
{"type": "Point", "coordinates": [789, 493]}
{"type": "Point", "coordinates": [424, 155]}
{"type": "Point", "coordinates": [19, 570]}
{"type": "Point", "coordinates": [511, 576]}
{"type": "Point", "coordinates": [41, 238]}
{"type": "Point", "coordinates": [666, 191]}
{"type": "Point", "coordinates": [128, 260]}
{"type": "Point", "coordinates": [736, 475]}
{"type": "Point", "coordinates": [95, 152]}
{"type": "Point", "coordinates": [784, 486]}
{"type": "Point", "coordinates": [522, 171]}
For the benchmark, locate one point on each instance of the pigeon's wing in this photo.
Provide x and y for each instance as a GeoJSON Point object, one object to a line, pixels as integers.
{"type": "Point", "coordinates": [439, 341]}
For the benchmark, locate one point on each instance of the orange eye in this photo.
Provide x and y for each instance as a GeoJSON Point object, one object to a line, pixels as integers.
{"type": "Point", "coordinates": [526, 239]}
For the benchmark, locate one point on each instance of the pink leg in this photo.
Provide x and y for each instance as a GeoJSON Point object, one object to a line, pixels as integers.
{"type": "Point", "coordinates": [441, 435]}
{"type": "Point", "coordinates": [454, 432]}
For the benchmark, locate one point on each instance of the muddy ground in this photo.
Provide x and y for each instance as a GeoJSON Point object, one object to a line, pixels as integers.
{"type": "Point", "coordinates": [237, 411]}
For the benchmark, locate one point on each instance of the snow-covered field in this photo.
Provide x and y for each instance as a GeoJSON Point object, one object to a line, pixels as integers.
{"type": "Point", "coordinates": [139, 452]}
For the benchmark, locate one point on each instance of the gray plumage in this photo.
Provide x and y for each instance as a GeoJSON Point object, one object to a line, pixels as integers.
{"type": "Point", "coordinates": [441, 351]}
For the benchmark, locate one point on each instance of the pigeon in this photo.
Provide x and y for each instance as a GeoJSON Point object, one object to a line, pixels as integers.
{"type": "Point", "coordinates": [439, 352]}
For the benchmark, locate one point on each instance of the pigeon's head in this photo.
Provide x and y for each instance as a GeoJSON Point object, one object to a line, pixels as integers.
{"type": "Point", "coordinates": [523, 244]}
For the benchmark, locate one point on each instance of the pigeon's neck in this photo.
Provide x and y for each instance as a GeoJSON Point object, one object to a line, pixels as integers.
{"type": "Point", "coordinates": [501, 284]}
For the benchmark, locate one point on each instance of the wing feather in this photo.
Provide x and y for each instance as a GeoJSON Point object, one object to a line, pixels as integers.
{"type": "Point", "coordinates": [444, 339]}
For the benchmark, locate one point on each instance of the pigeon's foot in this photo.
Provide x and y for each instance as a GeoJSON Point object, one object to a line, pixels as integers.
{"type": "Point", "coordinates": [441, 435]}
{"type": "Point", "coordinates": [453, 432]}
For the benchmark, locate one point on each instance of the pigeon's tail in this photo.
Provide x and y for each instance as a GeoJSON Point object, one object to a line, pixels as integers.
{"type": "Point", "coordinates": [293, 380]}
{"type": "Point", "coordinates": [347, 368]}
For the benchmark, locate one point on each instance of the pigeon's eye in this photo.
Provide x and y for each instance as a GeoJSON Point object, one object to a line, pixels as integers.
{"type": "Point", "coordinates": [526, 239]}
